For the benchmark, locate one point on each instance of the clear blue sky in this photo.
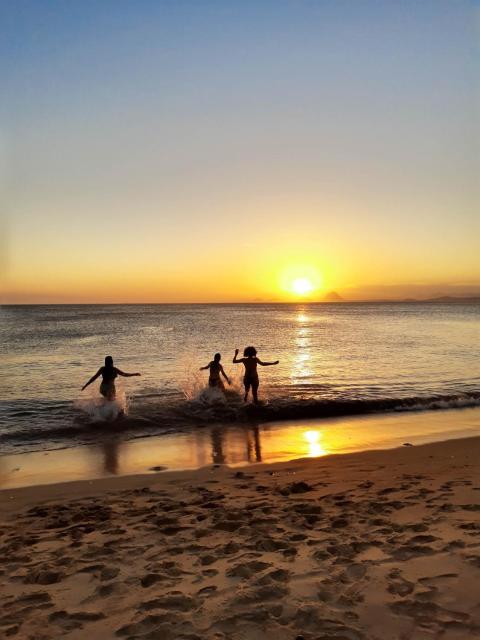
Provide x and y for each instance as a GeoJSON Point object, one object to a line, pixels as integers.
{"type": "Point", "coordinates": [194, 150]}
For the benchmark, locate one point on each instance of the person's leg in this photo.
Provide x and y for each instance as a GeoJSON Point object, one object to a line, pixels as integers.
{"type": "Point", "coordinates": [247, 389]}
{"type": "Point", "coordinates": [255, 384]}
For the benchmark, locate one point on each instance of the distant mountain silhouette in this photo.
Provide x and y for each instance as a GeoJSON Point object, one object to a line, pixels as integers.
{"type": "Point", "coordinates": [449, 299]}
{"type": "Point", "coordinates": [333, 296]}
{"type": "Point", "coordinates": [438, 299]}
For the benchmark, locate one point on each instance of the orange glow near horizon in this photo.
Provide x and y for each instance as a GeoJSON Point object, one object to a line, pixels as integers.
{"type": "Point", "coordinates": [278, 267]}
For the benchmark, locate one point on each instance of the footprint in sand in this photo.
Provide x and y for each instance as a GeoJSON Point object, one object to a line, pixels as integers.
{"type": "Point", "coordinates": [106, 590]}
{"type": "Point", "coordinates": [474, 560]}
{"type": "Point", "coordinates": [398, 585]}
{"type": "Point", "coordinates": [35, 599]}
{"type": "Point", "coordinates": [151, 624]}
{"type": "Point", "coordinates": [408, 551]}
{"type": "Point", "coordinates": [277, 575]}
{"type": "Point", "coordinates": [151, 579]}
{"type": "Point", "coordinates": [207, 591]}
{"type": "Point", "coordinates": [109, 573]}
{"type": "Point", "coordinates": [175, 601]}
{"type": "Point", "coordinates": [432, 581]}
{"type": "Point", "coordinates": [356, 571]}
{"type": "Point", "coordinates": [70, 621]}
{"type": "Point", "coordinates": [267, 592]}
{"type": "Point", "coordinates": [44, 577]}
{"type": "Point", "coordinates": [436, 618]}
{"type": "Point", "coordinates": [247, 569]}
{"type": "Point", "coordinates": [311, 618]}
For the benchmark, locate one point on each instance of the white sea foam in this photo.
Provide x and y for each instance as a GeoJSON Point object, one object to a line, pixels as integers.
{"type": "Point", "coordinates": [99, 409]}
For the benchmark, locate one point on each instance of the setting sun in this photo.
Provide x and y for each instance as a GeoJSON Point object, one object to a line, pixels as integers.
{"type": "Point", "coordinates": [300, 280]}
{"type": "Point", "coordinates": [302, 286]}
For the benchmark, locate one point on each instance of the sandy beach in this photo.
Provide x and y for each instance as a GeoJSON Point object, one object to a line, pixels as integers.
{"type": "Point", "coordinates": [373, 545]}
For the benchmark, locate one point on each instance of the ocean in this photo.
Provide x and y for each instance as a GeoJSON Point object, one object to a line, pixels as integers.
{"type": "Point", "coordinates": [335, 359]}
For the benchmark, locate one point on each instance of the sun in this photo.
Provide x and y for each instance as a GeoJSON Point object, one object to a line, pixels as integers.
{"type": "Point", "coordinates": [300, 280]}
{"type": "Point", "coordinates": [302, 286]}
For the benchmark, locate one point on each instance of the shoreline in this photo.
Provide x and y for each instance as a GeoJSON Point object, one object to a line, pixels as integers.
{"type": "Point", "coordinates": [235, 445]}
{"type": "Point", "coordinates": [15, 498]}
{"type": "Point", "coordinates": [358, 546]}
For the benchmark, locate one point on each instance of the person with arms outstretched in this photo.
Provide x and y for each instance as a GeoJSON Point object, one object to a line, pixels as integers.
{"type": "Point", "coordinates": [216, 369]}
{"type": "Point", "coordinates": [250, 378]}
{"type": "Point", "coordinates": [108, 373]}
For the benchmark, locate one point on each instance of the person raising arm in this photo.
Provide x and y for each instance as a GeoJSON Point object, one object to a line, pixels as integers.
{"type": "Point", "coordinates": [250, 378]}
{"type": "Point", "coordinates": [108, 373]}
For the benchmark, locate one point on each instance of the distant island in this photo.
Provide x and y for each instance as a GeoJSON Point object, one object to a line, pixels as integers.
{"type": "Point", "coordinates": [445, 299]}
{"type": "Point", "coordinates": [333, 296]}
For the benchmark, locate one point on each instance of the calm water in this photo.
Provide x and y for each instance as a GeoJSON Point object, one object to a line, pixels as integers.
{"type": "Point", "coordinates": [334, 359]}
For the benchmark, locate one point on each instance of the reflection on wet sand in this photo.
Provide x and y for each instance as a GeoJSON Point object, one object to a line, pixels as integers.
{"type": "Point", "coordinates": [220, 442]}
{"type": "Point", "coordinates": [110, 450]}
{"type": "Point", "coordinates": [217, 438]}
{"type": "Point", "coordinates": [315, 448]}
{"type": "Point", "coordinates": [234, 445]}
{"type": "Point", "coordinates": [253, 445]}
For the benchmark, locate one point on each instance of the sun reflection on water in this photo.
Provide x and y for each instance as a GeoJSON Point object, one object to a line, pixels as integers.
{"type": "Point", "coordinates": [300, 366]}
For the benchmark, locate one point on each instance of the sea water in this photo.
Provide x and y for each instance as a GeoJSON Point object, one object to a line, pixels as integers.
{"type": "Point", "coordinates": [335, 359]}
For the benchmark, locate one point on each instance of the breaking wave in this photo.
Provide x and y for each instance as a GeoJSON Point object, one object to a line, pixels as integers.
{"type": "Point", "coordinates": [147, 415]}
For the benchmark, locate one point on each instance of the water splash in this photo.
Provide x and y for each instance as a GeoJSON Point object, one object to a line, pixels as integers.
{"type": "Point", "coordinates": [194, 387]}
{"type": "Point", "coordinates": [98, 409]}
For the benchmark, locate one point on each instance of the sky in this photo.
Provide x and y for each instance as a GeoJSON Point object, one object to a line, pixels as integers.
{"type": "Point", "coordinates": [201, 151]}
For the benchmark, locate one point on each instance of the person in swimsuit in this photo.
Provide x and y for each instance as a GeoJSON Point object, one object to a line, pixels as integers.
{"type": "Point", "coordinates": [250, 378]}
{"type": "Point", "coordinates": [216, 369]}
{"type": "Point", "coordinates": [108, 373]}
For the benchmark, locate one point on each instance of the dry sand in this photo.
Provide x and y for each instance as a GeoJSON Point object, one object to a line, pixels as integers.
{"type": "Point", "coordinates": [381, 545]}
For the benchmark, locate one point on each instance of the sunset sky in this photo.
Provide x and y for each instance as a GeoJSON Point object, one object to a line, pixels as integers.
{"type": "Point", "coordinates": [157, 151]}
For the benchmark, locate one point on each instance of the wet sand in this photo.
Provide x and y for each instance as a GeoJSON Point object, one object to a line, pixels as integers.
{"type": "Point", "coordinates": [233, 444]}
{"type": "Point", "coordinates": [373, 545]}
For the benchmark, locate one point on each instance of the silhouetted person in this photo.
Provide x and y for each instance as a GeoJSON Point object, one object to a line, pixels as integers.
{"type": "Point", "coordinates": [250, 378]}
{"type": "Point", "coordinates": [216, 370]}
{"type": "Point", "coordinates": [108, 373]}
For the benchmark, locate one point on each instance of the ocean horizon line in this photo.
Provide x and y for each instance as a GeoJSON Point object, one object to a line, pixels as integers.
{"type": "Point", "coordinates": [438, 300]}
